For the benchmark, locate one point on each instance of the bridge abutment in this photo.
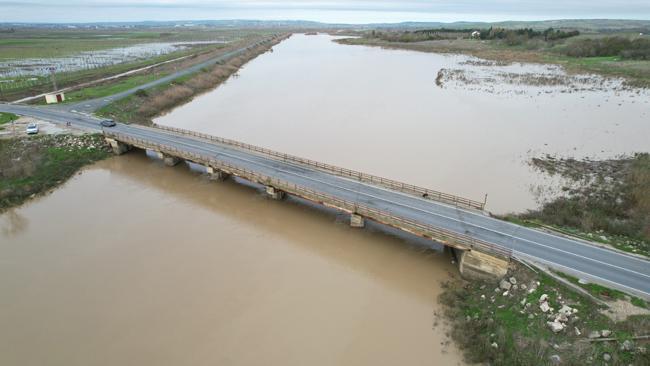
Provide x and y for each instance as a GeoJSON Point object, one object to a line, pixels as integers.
{"type": "Point", "coordinates": [118, 147]}
{"type": "Point", "coordinates": [216, 174]}
{"type": "Point", "coordinates": [475, 265]}
{"type": "Point", "coordinates": [357, 220]}
{"type": "Point", "coordinates": [274, 193]}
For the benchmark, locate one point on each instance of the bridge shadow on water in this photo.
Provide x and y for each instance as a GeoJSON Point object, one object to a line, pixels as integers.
{"type": "Point", "coordinates": [370, 251]}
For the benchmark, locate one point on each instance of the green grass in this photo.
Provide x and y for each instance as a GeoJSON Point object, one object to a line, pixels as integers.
{"type": "Point", "coordinates": [7, 117]}
{"type": "Point", "coordinates": [478, 321]}
{"type": "Point", "coordinates": [110, 89]}
{"type": "Point", "coordinates": [603, 292]}
{"type": "Point", "coordinates": [43, 162]}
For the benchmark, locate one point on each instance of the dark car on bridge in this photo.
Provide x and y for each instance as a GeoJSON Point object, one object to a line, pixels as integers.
{"type": "Point", "coordinates": [107, 123]}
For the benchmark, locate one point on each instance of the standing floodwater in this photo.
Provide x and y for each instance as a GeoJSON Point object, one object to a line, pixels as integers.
{"type": "Point", "coordinates": [134, 263]}
{"type": "Point", "coordinates": [386, 112]}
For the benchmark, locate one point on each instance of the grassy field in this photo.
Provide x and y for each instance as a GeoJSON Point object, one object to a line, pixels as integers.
{"type": "Point", "coordinates": [44, 43]}
{"type": "Point", "coordinates": [109, 88]}
{"type": "Point", "coordinates": [31, 166]}
{"type": "Point", "coordinates": [7, 118]}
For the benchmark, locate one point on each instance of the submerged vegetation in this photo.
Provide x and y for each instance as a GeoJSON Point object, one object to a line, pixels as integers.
{"type": "Point", "coordinates": [606, 201]}
{"type": "Point", "coordinates": [623, 55]}
{"type": "Point", "coordinates": [33, 165]}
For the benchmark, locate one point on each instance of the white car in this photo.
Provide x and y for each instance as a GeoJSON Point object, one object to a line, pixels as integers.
{"type": "Point", "coordinates": [32, 128]}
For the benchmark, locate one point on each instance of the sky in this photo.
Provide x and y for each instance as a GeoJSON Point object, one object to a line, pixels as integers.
{"type": "Point", "coordinates": [359, 12]}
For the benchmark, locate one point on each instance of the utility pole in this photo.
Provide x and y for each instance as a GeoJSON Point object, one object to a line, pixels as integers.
{"type": "Point", "coordinates": [53, 76]}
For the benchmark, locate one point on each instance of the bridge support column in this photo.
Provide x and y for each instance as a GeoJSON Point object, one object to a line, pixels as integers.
{"type": "Point", "coordinates": [216, 174]}
{"type": "Point", "coordinates": [357, 220]}
{"type": "Point", "coordinates": [274, 193]}
{"type": "Point", "coordinates": [169, 160]}
{"type": "Point", "coordinates": [476, 265]}
{"type": "Point", "coordinates": [118, 147]}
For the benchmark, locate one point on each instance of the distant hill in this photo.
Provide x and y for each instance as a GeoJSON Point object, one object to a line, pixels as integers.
{"type": "Point", "coordinates": [602, 25]}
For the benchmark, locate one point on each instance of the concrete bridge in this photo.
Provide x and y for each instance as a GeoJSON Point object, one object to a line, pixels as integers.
{"type": "Point", "coordinates": [484, 244]}
{"type": "Point", "coordinates": [363, 196]}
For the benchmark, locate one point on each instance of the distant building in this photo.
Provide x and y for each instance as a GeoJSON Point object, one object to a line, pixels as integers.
{"type": "Point", "coordinates": [476, 34]}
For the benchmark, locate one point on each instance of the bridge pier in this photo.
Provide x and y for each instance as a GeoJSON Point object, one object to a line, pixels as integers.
{"type": "Point", "coordinates": [357, 220]}
{"type": "Point", "coordinates": [118, 147]}
{"type": "Point", "coordinates": [274, 193]}
{"type": "Point", "coordinates": [169, 160]}
{"type": "Point", "coordinates": [476, 265]}
{"type": "Point", "coordinates": [216, 174]}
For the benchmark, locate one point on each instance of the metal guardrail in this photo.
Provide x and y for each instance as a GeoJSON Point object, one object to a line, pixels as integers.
{"type": "Point", "coordinates": [343, 172]}
{"type": "Point", "coordinates": [444, 236]}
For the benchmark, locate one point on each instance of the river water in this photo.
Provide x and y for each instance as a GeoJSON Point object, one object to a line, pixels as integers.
{"type": "Point", "coordinates": [381, 112]}
{"type": "Point", "coordinates": [134, 263]}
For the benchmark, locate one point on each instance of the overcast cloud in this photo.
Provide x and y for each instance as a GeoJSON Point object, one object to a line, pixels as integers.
{"type": "Point", "coordinates": [325, 11]}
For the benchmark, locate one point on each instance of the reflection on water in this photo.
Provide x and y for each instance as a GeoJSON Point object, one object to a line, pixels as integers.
{"type": "Point", "coordinates": [13, 224]}
{"type": "Point", "coordinates": [134, 263]}
{"type": "Point", "coordinates": [381, 111]}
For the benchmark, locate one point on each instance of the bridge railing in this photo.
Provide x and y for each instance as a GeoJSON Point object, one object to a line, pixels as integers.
{"type": "Point", "coordinates": [344, 172]}
{"type": "Point", "coordinates": [441, 235]}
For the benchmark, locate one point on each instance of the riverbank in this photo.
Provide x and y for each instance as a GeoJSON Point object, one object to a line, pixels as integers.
{"type": "Point", "coordinates": [635, 72]}
{"type": "Point", "coordinates": [31, 166]}
{"type": "Point", "coordinates": [606, 201]}
{"type": "Point", "coordinates": [144, 105]}
{"type": "Point", "coordinates": [530, 318]}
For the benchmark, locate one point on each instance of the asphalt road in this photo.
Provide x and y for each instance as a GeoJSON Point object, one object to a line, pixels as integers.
{"type": "Point", "coordinates": [608, 267]}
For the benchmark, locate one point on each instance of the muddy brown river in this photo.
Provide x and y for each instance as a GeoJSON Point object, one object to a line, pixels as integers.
{"type": "Point", "coordinates": [381, 112]}
{"type": "Point", "coordinates": [134, 263]}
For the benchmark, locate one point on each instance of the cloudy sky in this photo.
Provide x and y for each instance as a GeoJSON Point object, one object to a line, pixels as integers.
{"type": "Point", "coordinates": [363, 11]}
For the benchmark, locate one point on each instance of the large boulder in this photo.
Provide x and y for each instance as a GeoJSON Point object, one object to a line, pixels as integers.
{"type": "Point", "coordinates": [555, 326]}
{"type": "Point", "coordinates": [505, 285]}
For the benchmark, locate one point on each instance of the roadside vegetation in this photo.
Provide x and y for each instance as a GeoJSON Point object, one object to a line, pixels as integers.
{"type": "Point", "coordinates": [109, 88]}
{"type": "Point", "coordinates": [611, 54]}
{"type": "Point", "coordinates": [6, 118]}
{"type": "Point", "coordinates": [604, 201]}
{"type": "Point", "coordinates": [530, 318]}
{"type": "Point", "coordinates": [144, 105]}
{"type": "Point", "coordinates": [31, 166]}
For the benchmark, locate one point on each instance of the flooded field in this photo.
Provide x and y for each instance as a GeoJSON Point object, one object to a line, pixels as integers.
{"type": "Point", "coordinates": [91, 59]}
{"type": "Point", "coordinates": [470, 131]}
{"type": "Point", "coordinates": [134, 263]}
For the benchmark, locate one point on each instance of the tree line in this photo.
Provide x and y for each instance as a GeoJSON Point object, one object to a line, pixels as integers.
{"type": "Point", "coordinates": [635, 49]}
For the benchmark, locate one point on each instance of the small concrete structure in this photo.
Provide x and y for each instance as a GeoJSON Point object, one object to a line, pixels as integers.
{"type": "Point", "coordinates": [54, 98]}
{"type": "Point", "coordinates": [169, 160]}
{"type": "Point", "coordinates": [216, 174]}
{"type": "Point", "coordinates": [274, 193]}
{"type": "Point", "coordinates": [476, 265]}
{"type": "Point", "coordinates": [357, 220]}
{"type": "Point", "coordinates": [119, 148]}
